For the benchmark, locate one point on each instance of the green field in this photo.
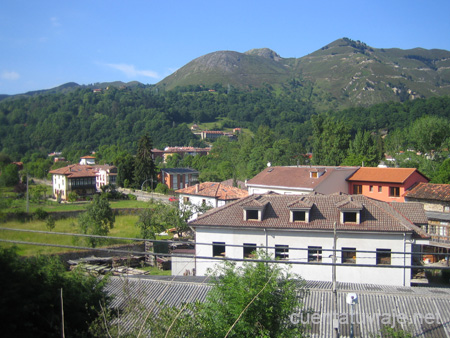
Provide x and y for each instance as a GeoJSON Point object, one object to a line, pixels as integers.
{"type": "Point", "coordinates": [123, 227]}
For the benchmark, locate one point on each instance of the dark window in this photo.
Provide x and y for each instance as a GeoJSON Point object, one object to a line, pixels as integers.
{"type": "Point", "coordinates": [281, 251]}
{"type": "Point", "coordinates": [348, 255]}
{"type": "Point", "coordinates": [371, 188]}
{"type": "Point", "coordinates": [394, 191]}
{"type": "Point", "coordinates": [380, 188]}
{"type": "Point", "coordinates": [218, 249]}
{"type": "Point", "coordinates": [298, 216]}
{"type": "Point", "coordinates": [314, 254]}
{"type": "Point", "coordinates": [357, 189]}
{"type": "Point", "coordinates": [252, 214]}
{"type": "Point", "coordinates": [185, 199]}
{"type": "Point", "coordinates": [350, 217]}
{"type": "Point", "coordinates": [249, 250]}
{"type": "Point", "coordinates": [383, 256]}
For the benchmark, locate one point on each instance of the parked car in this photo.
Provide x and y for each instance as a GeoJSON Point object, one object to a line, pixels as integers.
{"type": "Point", "coordinates": [173, 199]}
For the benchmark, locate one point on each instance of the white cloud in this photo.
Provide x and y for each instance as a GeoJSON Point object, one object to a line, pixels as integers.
{"type": "Point", "coordinates": [10, 75]}
{"type": "Point", "coordinates": [131, 71]}
{"type": "Point", "coordinates": [55, 22]}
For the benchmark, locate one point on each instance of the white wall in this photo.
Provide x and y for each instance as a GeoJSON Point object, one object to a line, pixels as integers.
{"type": "Point", "coordinates": [198, 200]}
{"type": "Point", "coordinates": [363, 241]}
{"type": "Point", "coordinates": [280, 190]}
{"type": "Point", "coordinates": [60, 184]}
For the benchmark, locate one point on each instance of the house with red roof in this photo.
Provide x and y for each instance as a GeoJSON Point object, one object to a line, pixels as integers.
{"type": "Point", "coordinates": [384, 184]}
{"type": "Point", "coordinates": [209, 194]}
{"type": "Point", "coordinates": [373, 240]}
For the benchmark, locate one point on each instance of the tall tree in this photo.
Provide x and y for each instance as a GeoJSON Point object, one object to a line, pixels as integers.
{"type": "Point", "coordinates": [97, 220]}
{"type": "Point", "coordinates": [144, 165]}
{"type": "Point", "coordinates": [363, 150]}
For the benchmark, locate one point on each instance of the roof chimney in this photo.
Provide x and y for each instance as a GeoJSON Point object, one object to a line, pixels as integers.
{"type": "Point", "coordinates": [196, 188]}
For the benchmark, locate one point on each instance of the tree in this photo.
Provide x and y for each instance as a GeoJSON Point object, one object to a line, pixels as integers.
{"type": "Point", "coordinates": [151, 220]}
{"type": "Point", "coordinates": [97, 220]}
{"type": "Point", "coordinates": [443, 174]}
{"type": "Point", "coordinates": [428, 133]}
{"type": "Point", "coordinates": [144, 166]}
{"type": "Point", "coordinates": [255, 299]}
{"type": "Point", "coordinates": [9, 176]}
{"type": "Point", "coordinates": [125, 169]}
{"type": "Point", "coordinates": [30, 296]}
{"type": "Point", "coordinates": [363, 150]}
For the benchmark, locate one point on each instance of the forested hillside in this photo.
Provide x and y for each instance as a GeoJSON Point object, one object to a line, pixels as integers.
{"type": "Point", "coordinates": [82, 120]}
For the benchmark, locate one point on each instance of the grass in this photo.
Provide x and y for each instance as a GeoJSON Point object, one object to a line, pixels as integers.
{"type": "Point", "coordinates": [123, 227]}
{"type": "Point", "coordinates": [155, 271]}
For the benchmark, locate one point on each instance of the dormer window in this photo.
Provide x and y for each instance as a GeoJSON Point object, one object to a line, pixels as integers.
{"type": "Point", "coordinates": [316, 173]}
{"type": "Point", "coordinates": [300, 210]}
{"type": "Point", "coordinates": [350, 211]}
{"type": "Point", "coordinates": [254, 210]}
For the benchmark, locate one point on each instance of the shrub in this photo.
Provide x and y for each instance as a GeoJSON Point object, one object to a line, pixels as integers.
{"type": "Point", "coordinates": [162, 188]}
{"type": "Point", "coordinates": [50, 223]}
{"type": "Point", "coordinates": [73, 196]}
{"type": "Point", "coordinates": [40, 214]}
{"type": "Point", "coordinates": [132, 197]}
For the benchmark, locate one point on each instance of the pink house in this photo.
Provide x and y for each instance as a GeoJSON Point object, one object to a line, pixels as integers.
{"type": "Point", "coordinates": [384, 184]}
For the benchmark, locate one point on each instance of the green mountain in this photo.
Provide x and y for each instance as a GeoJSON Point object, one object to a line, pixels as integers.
{"type": "Point", "coordinates": [349, 72]}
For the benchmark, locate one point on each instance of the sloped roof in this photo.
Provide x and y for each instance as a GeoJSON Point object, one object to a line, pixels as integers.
{"type": "Point", "coordinates": [173, 171]}
{"type": "Point", "coordinates": [75, 170]}
{"type": "Point", "coordinates": [385, 175]}
{"type": "Point", "coordinates": [295, 177]}
{"type": "Point", "coordinates": [375, 215]}
{"type": "Point", "coordinates": [214, 189]}
{"type": "Point", "coordinates": [429, 191]}
{"type": "Point", "coordinates": [409, 302]}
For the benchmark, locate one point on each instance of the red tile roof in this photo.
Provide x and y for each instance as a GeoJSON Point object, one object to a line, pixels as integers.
{"type": "Point", "coordinates": [375, 215]}
{"type": "Point", "coordinates": [386, 175]}
{"type": "Point", "coordinates": [429, 191]}
{"type": "Point", "coordinates": [213, 189]}
{"type": "Point", "coordinates": [75, 170]}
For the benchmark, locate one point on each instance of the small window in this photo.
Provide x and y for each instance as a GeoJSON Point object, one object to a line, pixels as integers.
{"type": "Point", "coordinates": [252, 215]}
{"type": "Point", "coordinates": [350, 217]}
{"type": "Point", "coordinates": [281, 251]}
{"type": "Point", "coordinates": [249, 250]}
{"type": "Point", "coordinates": [185, 199]}
{"type": "Point", "coordinates": [380, 188]}
{"type": "Point", "coordinates": [383, 256]}
{"type": "Point", "coordinates": [298, 216]}
{"type": "Point", "coordinates": [357, 189]}
{"type": "Point", "coordinates": [314, 174]}
{"type": "Point", "coordinates": [371, 188]}
{"type": "Point", "coordinates": [394, 191]}
{"type": "Point", "coordinates": [446, 208]}
{"type": "Point", "coordinates": [314, 254]}
{"type": "Point", "coordinates": [348, 255]}
{"type": "Point", "coordinates": [218, 249]}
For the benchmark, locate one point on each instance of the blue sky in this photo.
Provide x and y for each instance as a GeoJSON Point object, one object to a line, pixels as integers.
{"type": "Point", "coordinates": [47, 43]}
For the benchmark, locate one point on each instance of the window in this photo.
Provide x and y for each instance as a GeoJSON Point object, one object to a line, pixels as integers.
{"type": "Point", "coordinates": [446, 208]}
{"type": "Point", "coordinates": [185, 199]}
{"type": "Point", "coordinates": [383, 256]}
{"type": "Point", "coordinates": [350, 217]}
{"type": "Point", "coordinates": [394, 191]}
{"type": "Point", "coordinates": [314, 254]}
{"type": "Point", "coordinates": [281, 251]}
{"type": "Point", "coordinates": [348, 255]}
{"type": "Point", "coordinates": [371, 188]}
{"type": "Point", "coordinates": [314, 174]}
{"type": "Point", "coordinates": [357, 189]}
{"type": "Point", "coordinates": [380, 188]}
{"type": "Point", "coordinates": [252, 215]}
{"type": "Point", "coordinates": [298, 216]}
{"type": "Point", "coordinates": [218, 249]}
{"type": "Point", "coordinates": [249, 249]}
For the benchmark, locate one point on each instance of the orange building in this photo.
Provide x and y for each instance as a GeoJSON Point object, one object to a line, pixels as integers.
{"type": "Point", "coordinates": [384, 184]}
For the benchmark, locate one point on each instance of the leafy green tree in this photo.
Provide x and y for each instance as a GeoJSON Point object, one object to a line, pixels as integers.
{"type": "Point", "coordinates": [428, 133]}
{"type": "Point", "coordinates": [9, 176]}
{"type": "Point", "coordinates": [363, 150]}
{"type": "Point", "coordinates": [97, 220]}
{"type": "Point", "coordinates": [144, 165]}
{"type": "Point", "coordinates": [151, 220]}
{"type": "Point", "coordinates": [30, 297]}
{"type": "Point", "coordinates": [443, 174]}
{"type": "Point", "coordinates": [125, 170]}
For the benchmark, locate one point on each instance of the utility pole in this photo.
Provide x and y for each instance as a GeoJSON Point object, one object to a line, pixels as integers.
{"type": "Point", "coordinates": [334, 293]}
{"type": "Point", "coordinates": [28, 197]}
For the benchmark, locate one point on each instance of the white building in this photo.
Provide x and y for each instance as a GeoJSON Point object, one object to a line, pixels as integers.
{"type": "Point", "coordinates": [373, 243]}
{"type": "Point", "coordinates": [209, 194]}
{"type": "Point", "coordinates": [301, 180]}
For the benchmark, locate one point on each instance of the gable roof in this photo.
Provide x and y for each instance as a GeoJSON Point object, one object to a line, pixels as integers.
{"type": "Point", "coordinates": [429, 191]}
{"type": "Point", "coordinates": [384, 175]}
{"type": "Point", "coordinates": [297, 177]}
{"type": "Point", "coordinates": [214, 189]}
{"type": "Point", "coordinates": [376, 215]}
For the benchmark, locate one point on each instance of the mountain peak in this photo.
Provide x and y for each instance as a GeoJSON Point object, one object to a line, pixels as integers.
{"type": "Point", "coordinates": [264, 52]}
